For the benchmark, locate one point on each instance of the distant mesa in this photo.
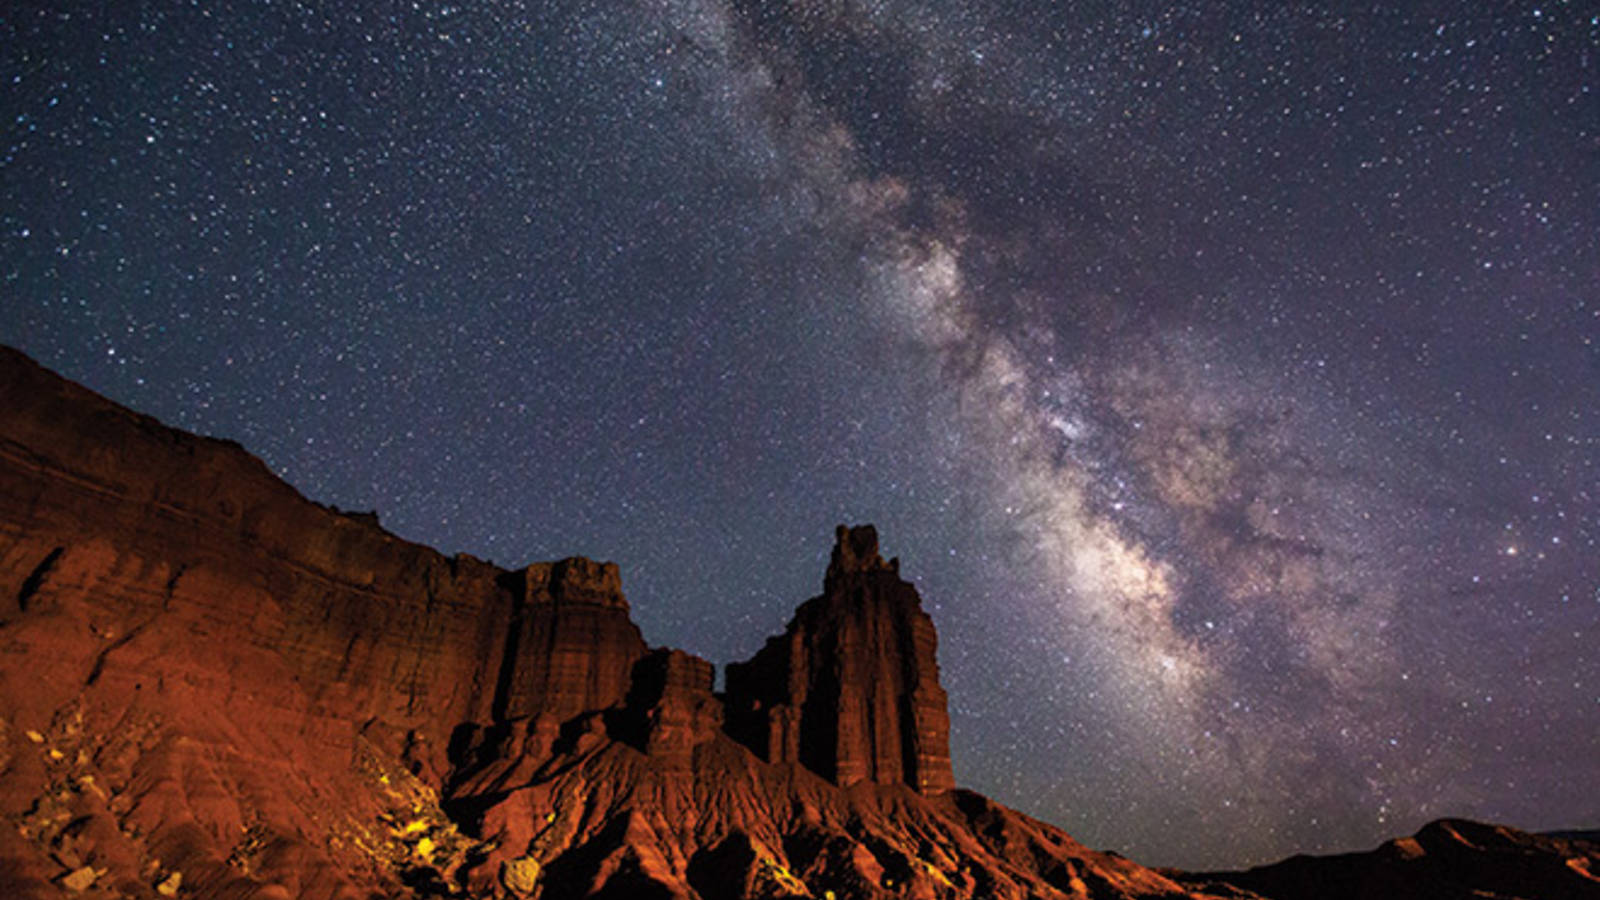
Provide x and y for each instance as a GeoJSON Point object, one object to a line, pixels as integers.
{"type": "Point", "coordinates": [213, 687]}
{"type": "Point", "coordinates": [1450, 859]}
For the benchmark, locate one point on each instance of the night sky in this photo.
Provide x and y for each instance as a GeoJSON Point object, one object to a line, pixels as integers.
{"type": "Point", "coordinates": [1227, 379]}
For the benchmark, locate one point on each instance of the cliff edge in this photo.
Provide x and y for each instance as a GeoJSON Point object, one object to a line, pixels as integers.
{"type": "Point", "coordinates": [211, 686]}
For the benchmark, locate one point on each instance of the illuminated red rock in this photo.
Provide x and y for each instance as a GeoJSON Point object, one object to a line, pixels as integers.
{"type": "Point", "coordinates": [203, 654]}
{"type": "Point", "coordinates": [213, 687]}
{"type": "Point", "coordinates": [675, 708]}
{"type": "Point", "coordinates": [571, 646]}
{"type": "Point", "coordinates": [851, 689]}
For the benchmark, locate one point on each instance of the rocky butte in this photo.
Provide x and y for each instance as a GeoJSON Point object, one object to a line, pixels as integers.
{"type": "Point", "coordinates": [213, 687]}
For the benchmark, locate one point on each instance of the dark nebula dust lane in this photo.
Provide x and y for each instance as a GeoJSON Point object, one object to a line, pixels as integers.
{"type": "Point", "coordinates": [1225, 375]}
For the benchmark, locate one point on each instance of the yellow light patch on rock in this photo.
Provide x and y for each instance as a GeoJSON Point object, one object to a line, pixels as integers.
{"type": "Point", "coordinates": [520, 875]}
{"type": "Point", "coordinates": [80, 879]}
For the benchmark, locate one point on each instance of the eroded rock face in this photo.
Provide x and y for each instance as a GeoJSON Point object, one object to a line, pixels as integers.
{"type": "Point", "coordinates": [201, 652]}
{"type": "Point", "coordinates": [672, 695]}
{"type": "Point", "coordinates": [851, 689]}
{"type": "Point", "coordinates": [571, 646]}
{"type": "Point", "coordinates": [212, 686]}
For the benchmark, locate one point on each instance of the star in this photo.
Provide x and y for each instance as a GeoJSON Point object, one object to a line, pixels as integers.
{"type": "Point", "coordinates": [1196, 365]}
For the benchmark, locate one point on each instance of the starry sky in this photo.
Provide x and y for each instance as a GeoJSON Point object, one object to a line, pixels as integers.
{"type": "Point", "coordinates": [1226, 375]}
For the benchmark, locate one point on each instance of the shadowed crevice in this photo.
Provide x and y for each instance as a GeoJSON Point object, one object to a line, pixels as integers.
{"type": "Point", "coordinates": [514, 583]}
{"type": "Point", "coordinates": [35, 580]}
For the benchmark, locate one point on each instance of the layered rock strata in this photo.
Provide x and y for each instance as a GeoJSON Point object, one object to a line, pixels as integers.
{"type": "Point", "coordinates": [211, 686]}
{"type": "Point", "coordinates": [571, 645]}
{"type": "Point", "coordinates": [851, 689]}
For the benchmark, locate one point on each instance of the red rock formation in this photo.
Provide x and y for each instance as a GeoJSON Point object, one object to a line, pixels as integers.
{"type": "Point", "coordinates": [210, 686]}
{"type": "Point", "coordinates": [851, 689]}
{"type": "Point", "coordinates": [572, 645]}
{"type": "Point", "coordinates": [611, 821]}
{"type": "Point", "coordinates": [672, 693]}
{"type": "Point", "coordinates": [200, 652]}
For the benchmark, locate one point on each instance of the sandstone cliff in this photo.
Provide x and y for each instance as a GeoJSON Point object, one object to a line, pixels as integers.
{"type": "Point", "coordinates": [213, 687]}
{"type": "Point", "coordinates": [851, 689]}
{"type": "Point", "coordinates": [570, 646]}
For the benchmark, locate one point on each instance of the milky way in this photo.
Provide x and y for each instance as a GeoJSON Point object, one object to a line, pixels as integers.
{"type": "Point", "coordinates": [1224, 375]}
